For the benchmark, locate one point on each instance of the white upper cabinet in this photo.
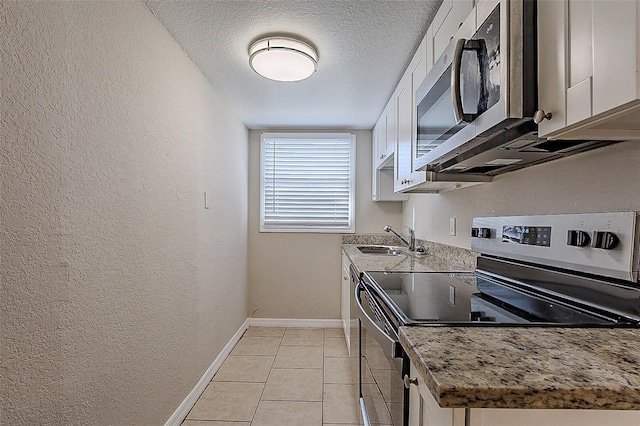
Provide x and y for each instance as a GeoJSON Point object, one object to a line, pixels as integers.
{"type": "Point", "coordinates": [588, 69]}
{"type": "Point", "coordinates": [405, 176]}
{"type": "Point", "coordinates": [398, 123]}
{"type": "Point", "coordinates": [448, 19]}
{"type": "Point", "coordinates": [384, 144]}
{"type": "Point", "coordinates": [385, 138]}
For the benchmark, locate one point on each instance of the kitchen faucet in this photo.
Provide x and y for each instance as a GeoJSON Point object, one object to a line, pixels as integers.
{"type": "Point", "coordinates": [412, 236]}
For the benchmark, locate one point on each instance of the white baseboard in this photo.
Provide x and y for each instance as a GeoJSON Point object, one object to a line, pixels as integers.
{"type": "Point", "coordinates": [293, 322]}
{"type": "Point", "coordinates": [183, 409]}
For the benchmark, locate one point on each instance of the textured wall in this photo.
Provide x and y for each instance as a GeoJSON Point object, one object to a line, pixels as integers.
{"type": "Point", "coordinates": [118, 289]}
{"type": "Point", "coordinates": [607, 179]}
{"type": "Point", "coordinates": [297, 275]}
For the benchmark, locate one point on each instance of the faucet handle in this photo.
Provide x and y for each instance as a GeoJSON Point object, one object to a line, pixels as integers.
{"type": "Point", "coordinates": [411, 231]}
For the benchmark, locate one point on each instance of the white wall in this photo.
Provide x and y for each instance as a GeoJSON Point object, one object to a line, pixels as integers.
{"type": "Point", "coordinates": [606, 179]}
{"type": "Point", "coordinates": [118, 288]}
{"type": "Point", "coordinates": [297, 275]}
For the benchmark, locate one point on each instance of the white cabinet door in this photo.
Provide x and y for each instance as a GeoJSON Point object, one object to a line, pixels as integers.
{"type": "Point", "coordinates": [379, 141]}
{"type": "Point", "coordinates": [425, 411]}
{"type": "Point", "coordinates": [405, 176]}
{"type": "Point", "coordinates": [382, 180]}
{"type": "Point", "coordinates": [552, 39]}
{"type": "Point", "coordinates": [376, 135]}
{"type": "Point", "coordinates": [403, 147]}
{"type": "Point", "coordinates": [450, 15]}
{"type": "Point", "coordinates": [512, 417]}
{"type": "Point", "coordinates": [385, 136]}
{"type": "Point", "coordinates": [616, 51]}
{"type": "Point", "coordinates": [588, 68]}
{"type": "Point", "coordinates": [345, 302]}
{"type": "Point", "coordinates": [429, 49]}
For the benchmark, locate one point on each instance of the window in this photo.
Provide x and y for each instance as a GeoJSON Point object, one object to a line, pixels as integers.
{"type": "Point", "coordinates": [307, 182]}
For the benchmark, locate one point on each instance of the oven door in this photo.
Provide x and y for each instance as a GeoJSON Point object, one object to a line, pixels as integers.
{"type": "Point", "coordinates": [383, 397]}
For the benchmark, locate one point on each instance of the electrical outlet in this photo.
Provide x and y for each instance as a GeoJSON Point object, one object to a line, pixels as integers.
{"type": "Point", "coordinates": [452, 226]}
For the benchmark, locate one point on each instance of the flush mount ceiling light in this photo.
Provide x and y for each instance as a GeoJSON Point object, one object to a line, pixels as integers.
{"type": "Point", "coordinates": [283, 59]}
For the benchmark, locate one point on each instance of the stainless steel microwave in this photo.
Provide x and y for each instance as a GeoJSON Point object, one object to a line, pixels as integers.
{"type": "Point", "coordinates": [482, 91]}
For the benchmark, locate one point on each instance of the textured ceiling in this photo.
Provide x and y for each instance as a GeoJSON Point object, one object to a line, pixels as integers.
{"type": "Point", "coordinates": [363, 45]}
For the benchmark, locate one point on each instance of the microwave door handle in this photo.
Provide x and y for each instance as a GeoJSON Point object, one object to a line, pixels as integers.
{"type": "Point", "coordinates": [476, 46]}
{"type": "Point", "coordinates": [456, 95]}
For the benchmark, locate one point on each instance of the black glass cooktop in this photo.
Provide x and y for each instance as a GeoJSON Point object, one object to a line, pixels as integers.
{"type": "Point", "coordinates": [475, 299]}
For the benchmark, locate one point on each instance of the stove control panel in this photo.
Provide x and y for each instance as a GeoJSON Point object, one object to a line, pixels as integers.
{"type": "Point", "coordinates": [603, 244]}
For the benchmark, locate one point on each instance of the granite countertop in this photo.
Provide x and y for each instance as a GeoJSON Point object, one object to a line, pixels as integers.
{"type": "Point", "coordinates": [532, 367]}
{"type": "Point", "coordinates": [405, 262]}
{"type": "Point", "coordinates": [439, 258]}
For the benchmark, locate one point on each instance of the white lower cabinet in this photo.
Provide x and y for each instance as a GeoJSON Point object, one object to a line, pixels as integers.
{"type": "Point", "coordinates": [345, 301]}
{"type": "Point", "coordinates": [512, 417]}
{"type": "Point", "coordinates": [425, 411]}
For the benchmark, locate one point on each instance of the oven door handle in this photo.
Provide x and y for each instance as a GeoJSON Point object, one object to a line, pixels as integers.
{"type": "Point", "coordinates": [389, 345]}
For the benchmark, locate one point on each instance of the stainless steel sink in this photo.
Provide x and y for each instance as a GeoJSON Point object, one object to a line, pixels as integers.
{"type": "Point", "coordinates": [382, 250]}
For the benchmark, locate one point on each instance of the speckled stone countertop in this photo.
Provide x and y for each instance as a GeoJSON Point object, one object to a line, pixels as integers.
{"type": "Point", "coordinates": [439, 258]}
{"type": "Point", "coordinates": [509, 367]}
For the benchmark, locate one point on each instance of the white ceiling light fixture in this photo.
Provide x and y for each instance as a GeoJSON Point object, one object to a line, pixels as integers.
{"type": "Point", "coordinates": [283, 58]}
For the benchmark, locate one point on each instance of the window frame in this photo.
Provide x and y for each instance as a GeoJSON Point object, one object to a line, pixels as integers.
{"type": "Point", "coordinates": [350, 229]}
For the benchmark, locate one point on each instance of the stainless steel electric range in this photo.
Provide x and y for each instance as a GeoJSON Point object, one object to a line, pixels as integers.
{"type": "Point", "coordinates": [576, 270]}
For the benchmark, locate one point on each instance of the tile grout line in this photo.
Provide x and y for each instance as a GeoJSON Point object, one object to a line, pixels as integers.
{"type": "Point", "coordinates": [267, 379]}
{"type": "Point", "coordinates": [324, 341]}
{"type": "Point", "coordinates": [272, 367]}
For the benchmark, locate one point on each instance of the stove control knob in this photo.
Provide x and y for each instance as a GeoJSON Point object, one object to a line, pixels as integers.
{"type": "Point", "coordinates": [604, 240]}
{"type": "Point", "coordinates": [481, 232]}
{"type": "Point", "coordinates": [578, 238]}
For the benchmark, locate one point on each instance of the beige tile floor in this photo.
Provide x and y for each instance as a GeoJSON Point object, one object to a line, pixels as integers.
{"type": "Point", "coordinates": [281, 377]}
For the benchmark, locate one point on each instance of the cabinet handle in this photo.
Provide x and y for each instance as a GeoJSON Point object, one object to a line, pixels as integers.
{"type": "Point", "coordinates": [408, 381]}
{"type": "Point", "coordinates": [540, 115]}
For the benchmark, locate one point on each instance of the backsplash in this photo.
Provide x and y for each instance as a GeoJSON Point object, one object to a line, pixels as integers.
{"type": "Point", "coordinates": [457, 255]}
{"type": "Point", "coordinates": [381, 239]}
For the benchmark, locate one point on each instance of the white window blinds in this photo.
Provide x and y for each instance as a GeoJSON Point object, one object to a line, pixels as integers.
{"type": "Point", "coordinates": [307, 182]}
